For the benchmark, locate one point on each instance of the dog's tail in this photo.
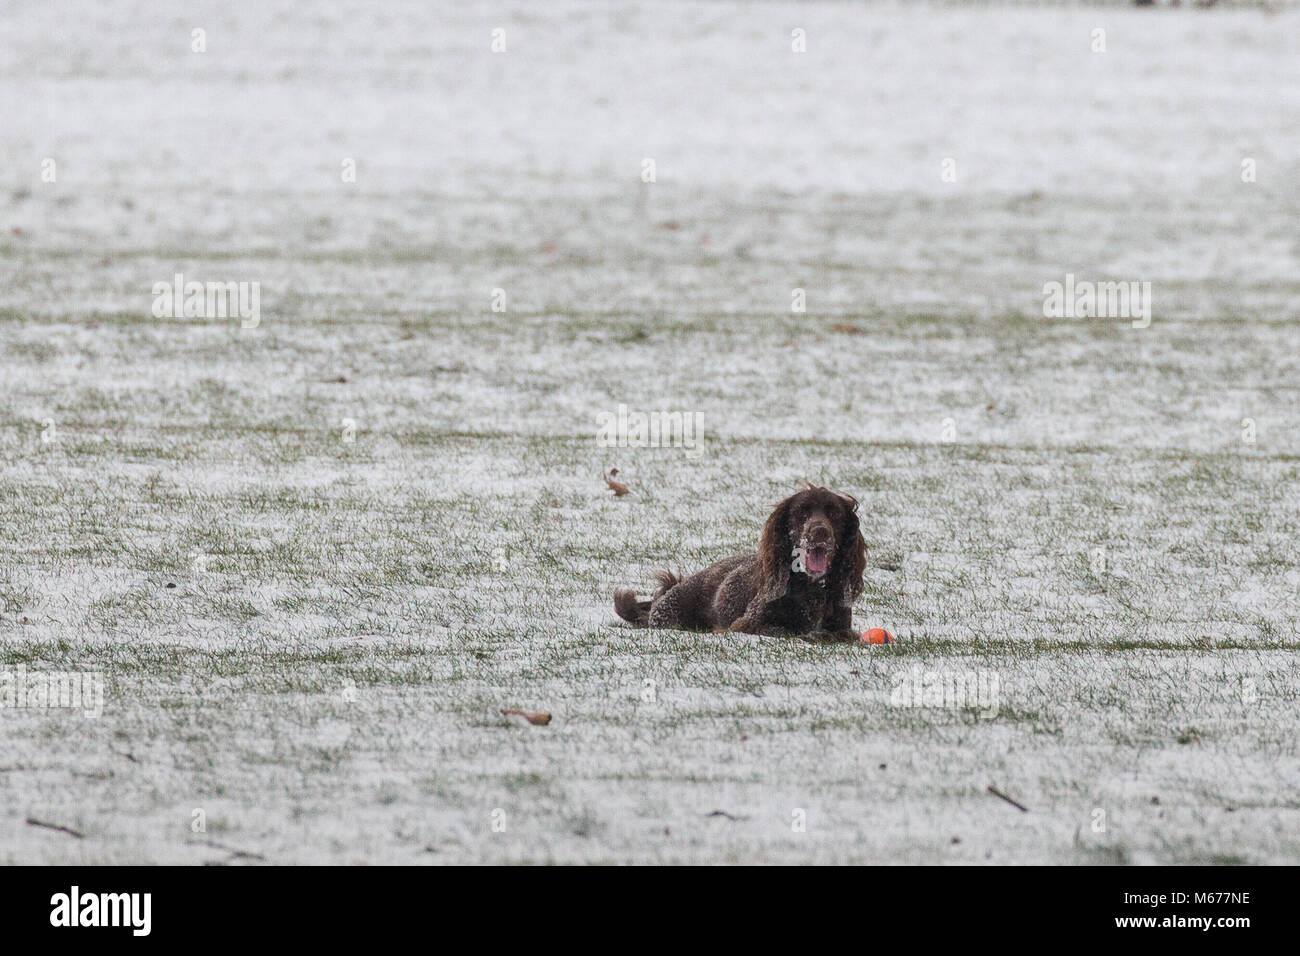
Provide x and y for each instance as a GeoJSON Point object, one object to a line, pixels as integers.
{"type": "Point", "coordinates": [637, 612]}
{"type": "Point", "coordinates": [666, 580]}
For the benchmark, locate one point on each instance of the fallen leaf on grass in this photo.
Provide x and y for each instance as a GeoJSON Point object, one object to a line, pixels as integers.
{"type": "Point", "coordinates": [847, 328]}
{"type": "Point", "coordinates": [539, 719]}
{"type": "Point", "coordinates": [723, 813]}
{"type": "Point", "coordinates": [617, 487]}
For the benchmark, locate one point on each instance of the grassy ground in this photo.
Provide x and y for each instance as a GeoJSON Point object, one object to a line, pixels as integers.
{"type": "Point", "coordinates": [308, 631]}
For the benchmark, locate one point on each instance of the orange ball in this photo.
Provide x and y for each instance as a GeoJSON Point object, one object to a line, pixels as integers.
{"type": "Point", "coordinates": [877, 635]}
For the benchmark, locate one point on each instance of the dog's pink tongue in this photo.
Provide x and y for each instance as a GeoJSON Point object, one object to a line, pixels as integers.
{"type": "Point", "coordinates": [816, 560]}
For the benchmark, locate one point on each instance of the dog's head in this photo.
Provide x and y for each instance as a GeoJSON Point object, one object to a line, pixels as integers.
{"type": "Point", "coordinates": [814, 533]}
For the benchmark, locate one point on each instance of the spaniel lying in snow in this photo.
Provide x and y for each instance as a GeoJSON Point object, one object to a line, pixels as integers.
{"type": "Point", "coordinates": [802, 582]}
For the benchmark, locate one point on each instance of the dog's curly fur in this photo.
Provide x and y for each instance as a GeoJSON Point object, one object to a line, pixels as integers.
{"type": "Point", "coordinates": [772, 592]}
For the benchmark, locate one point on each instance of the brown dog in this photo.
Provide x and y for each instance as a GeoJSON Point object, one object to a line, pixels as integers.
{"type": "Point", "coordinates": [802, 582]}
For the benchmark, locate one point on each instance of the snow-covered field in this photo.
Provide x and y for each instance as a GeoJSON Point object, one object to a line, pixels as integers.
{"type": "Point", "coordinates": [313, 560]}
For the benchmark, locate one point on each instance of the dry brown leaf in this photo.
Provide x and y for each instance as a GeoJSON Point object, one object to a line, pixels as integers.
{"type": "Point", "coordinates": [617, 487]}
{"type": "Point", "coordinates": [847, 328]}
{"type": "Point", "coordinates": [532, 717]}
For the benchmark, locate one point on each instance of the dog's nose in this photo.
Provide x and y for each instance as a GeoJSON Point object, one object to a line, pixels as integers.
{"type": "Point", "coordinates": [820, 534]}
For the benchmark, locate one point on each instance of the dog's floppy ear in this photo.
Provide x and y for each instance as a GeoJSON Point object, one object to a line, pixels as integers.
{"type": "Point", "coordinates": [851, 556]}
{"type": "Point", "coordinates": [774, 553]}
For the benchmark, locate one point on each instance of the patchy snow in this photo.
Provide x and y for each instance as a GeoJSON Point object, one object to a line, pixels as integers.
{"type": "Point", "coordinates": [382, 510]}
